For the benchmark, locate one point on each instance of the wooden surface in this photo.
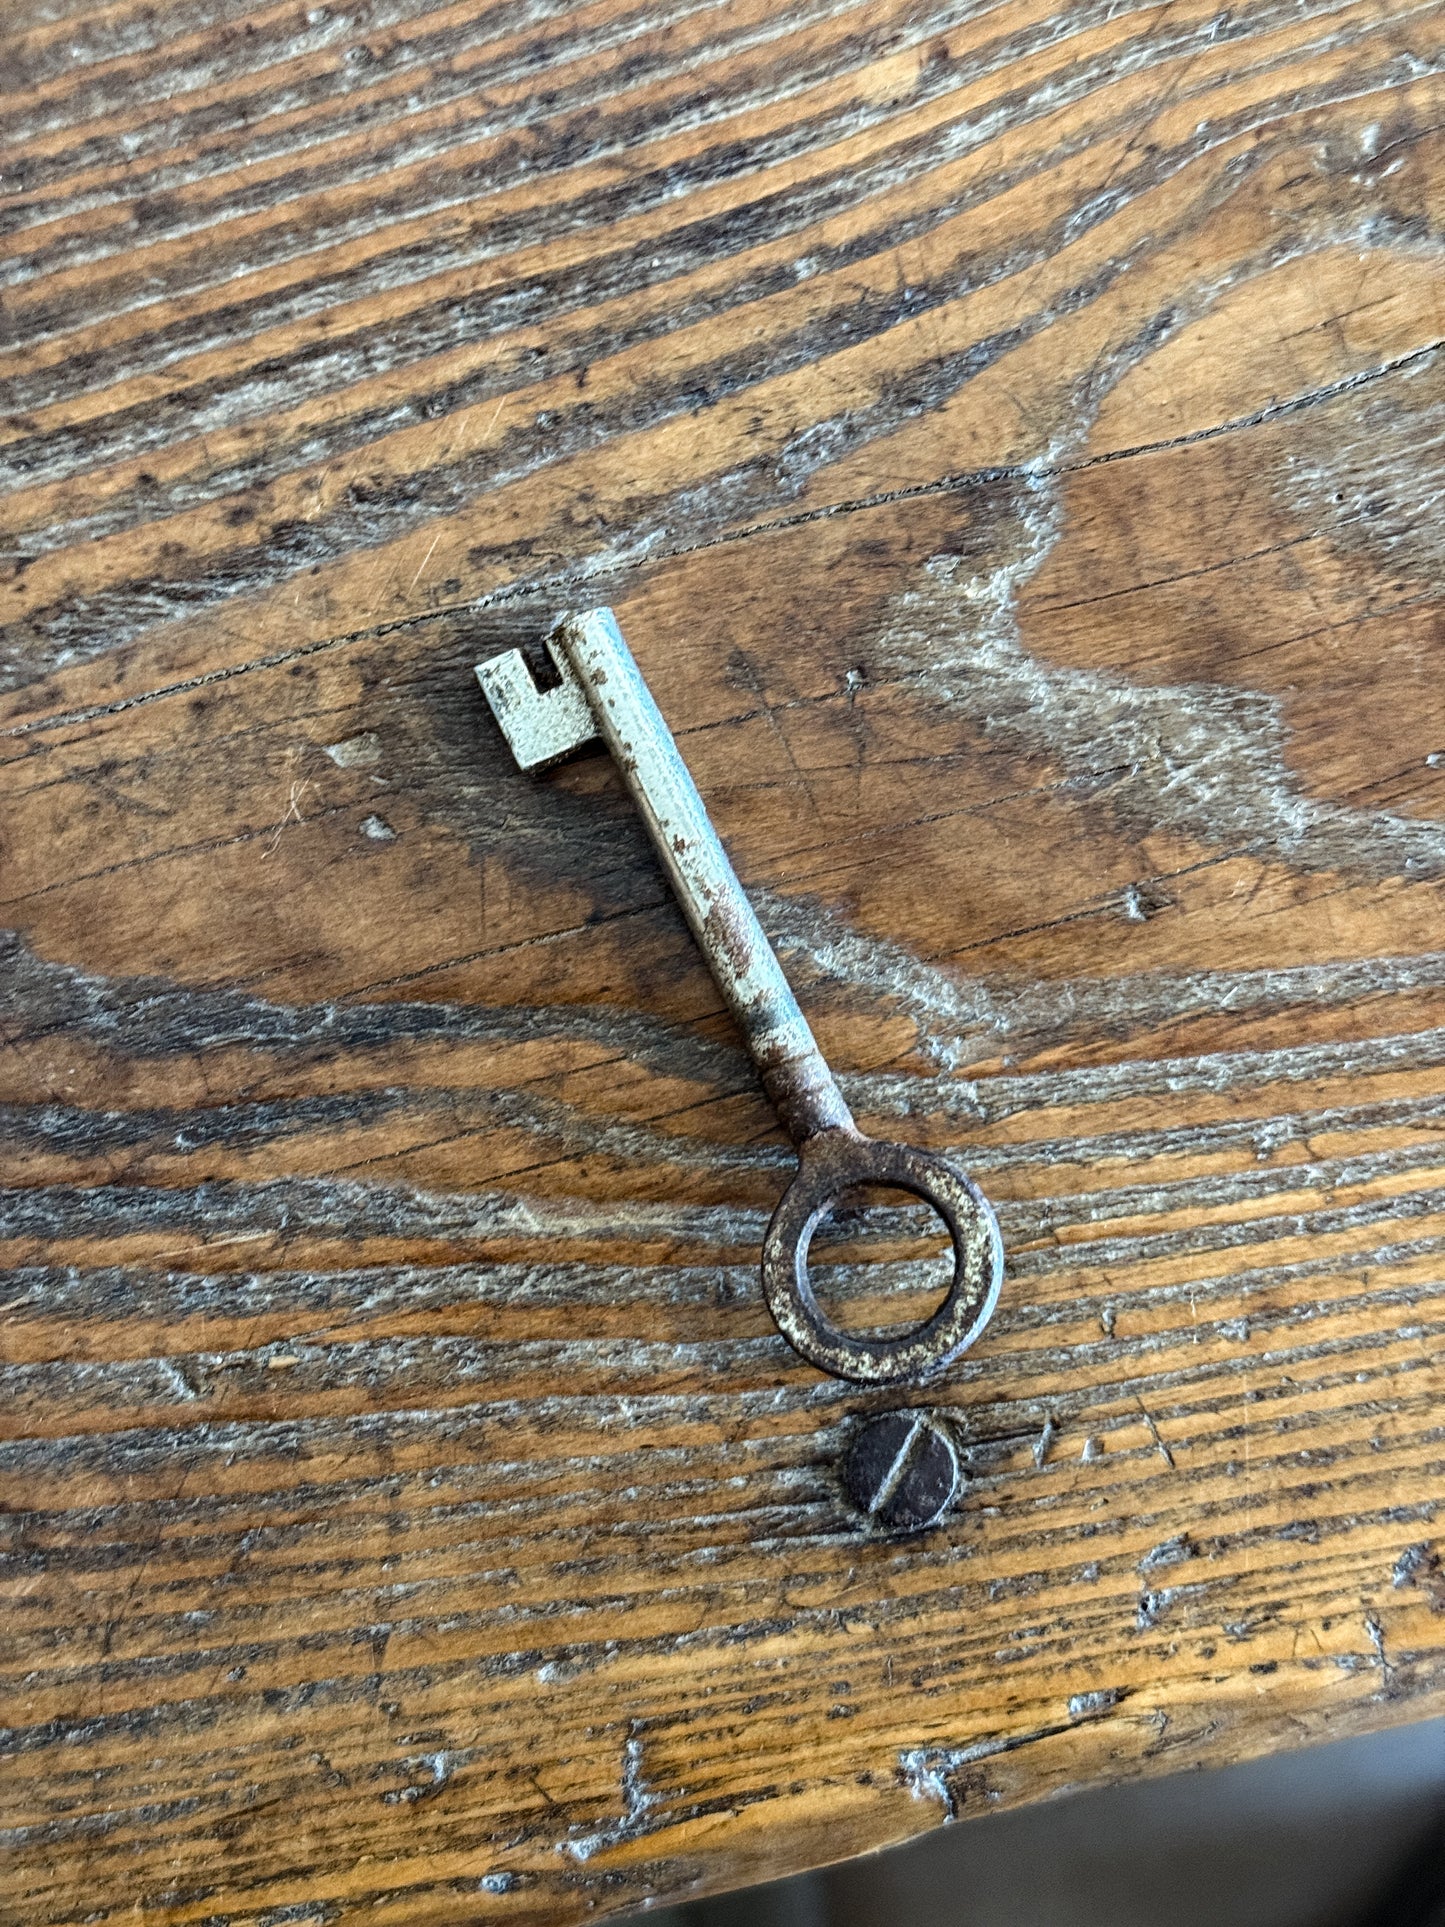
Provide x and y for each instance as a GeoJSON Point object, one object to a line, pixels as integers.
{"type": "Point", "coordinates": [1012, 436]}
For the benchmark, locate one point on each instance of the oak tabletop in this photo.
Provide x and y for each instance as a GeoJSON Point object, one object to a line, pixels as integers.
{"type": "Point", "coordinates": [1011, 436]}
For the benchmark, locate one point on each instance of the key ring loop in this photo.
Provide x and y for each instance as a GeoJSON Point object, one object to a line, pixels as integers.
{"type": "Point", "coordinates": [828, 1164]}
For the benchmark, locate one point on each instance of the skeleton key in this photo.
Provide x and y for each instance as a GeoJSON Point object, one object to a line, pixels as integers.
{"type": "Point", "coordinates": [601, 693]}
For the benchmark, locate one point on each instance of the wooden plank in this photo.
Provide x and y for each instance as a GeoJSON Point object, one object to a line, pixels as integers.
{"type": "Point", "coordinates": [1011, 435]}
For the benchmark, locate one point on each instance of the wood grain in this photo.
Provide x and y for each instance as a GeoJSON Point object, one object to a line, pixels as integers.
{"type": "Point", "coordinates": [1012, 437]}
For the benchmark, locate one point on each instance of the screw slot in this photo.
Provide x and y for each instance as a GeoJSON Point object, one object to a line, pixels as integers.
{"type": "Point", "coordinates": [901, 1471]}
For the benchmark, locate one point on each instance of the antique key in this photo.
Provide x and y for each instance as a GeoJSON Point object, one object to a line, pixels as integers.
{"type": "Point", "coordinates": [600, 691]}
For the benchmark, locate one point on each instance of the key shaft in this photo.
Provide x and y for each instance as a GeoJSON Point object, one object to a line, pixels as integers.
{"type": "Point", "coordinates": [589, 650]}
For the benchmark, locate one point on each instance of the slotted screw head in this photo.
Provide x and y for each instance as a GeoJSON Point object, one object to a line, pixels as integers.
{"type": "Point", "coordinates": [902, 1471]}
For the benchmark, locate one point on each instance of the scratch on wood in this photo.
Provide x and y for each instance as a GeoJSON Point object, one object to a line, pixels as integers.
{"type": "Point", "coordinates": [1160, 1446]}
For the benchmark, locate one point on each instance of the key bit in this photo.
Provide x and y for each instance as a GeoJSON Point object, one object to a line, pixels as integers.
{"type": "Point", "coordinates": [541, 725]}
{"type": "Point", "coordinates": [601, 692]}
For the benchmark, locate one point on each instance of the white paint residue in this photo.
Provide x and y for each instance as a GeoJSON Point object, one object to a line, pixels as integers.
{"type": "Point", "coordinates": [1195, 758]}
{"type": "Point", "coordinates": [440, 1765]}
{"type": "Point", "coordinates": [927, 1770]}
{"type": "Point", "coordinates": [638, 1805]}
{"type": "Point", "coordinates": [954, 1013]}
{"type": "Point", "coordinates": [356, 751]}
